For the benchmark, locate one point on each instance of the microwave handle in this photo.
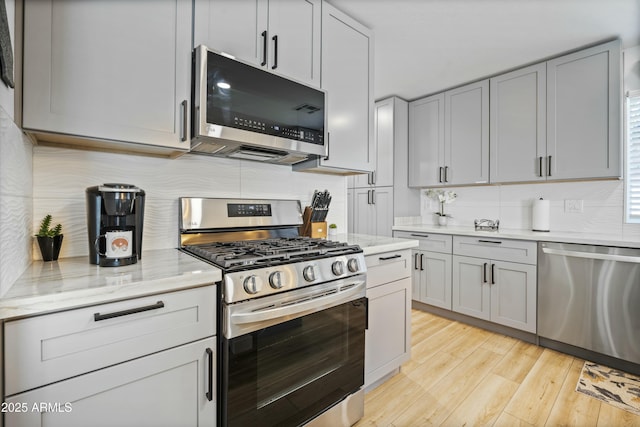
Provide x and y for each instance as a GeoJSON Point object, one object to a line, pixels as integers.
{"type": "Point", "coordinates": [328, 139]}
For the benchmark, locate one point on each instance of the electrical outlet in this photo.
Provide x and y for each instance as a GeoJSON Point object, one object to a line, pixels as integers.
{"type": "Point", "coordinates": [573, 206]}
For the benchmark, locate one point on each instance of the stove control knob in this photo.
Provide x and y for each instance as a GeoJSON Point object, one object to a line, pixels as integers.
{"type": "Point", "coordinates": [352, 265]}
{"type": "Point", "coordinates": [338, 268]}
{"type": "Point", "coordinates": [275, 280]}
{"type": "Point", "coordinates": [252, 285]}
{"type": "Point", "coordinates": [309, 273]}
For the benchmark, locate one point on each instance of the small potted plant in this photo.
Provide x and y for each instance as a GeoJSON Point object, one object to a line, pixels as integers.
{"type": "Point", "coordinates": [442, 197]}
{"type": "Point", "coordinates": [49, 239]}
{"type": "Point", "coordinates": [333, 230]}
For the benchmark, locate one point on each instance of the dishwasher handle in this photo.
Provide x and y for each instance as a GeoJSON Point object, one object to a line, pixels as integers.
{"type": "Point", "coordinates": [591, 255]}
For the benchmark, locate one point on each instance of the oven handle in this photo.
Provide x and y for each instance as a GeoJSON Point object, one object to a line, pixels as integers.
{"type": "Point", "coordinates": [306, 306]}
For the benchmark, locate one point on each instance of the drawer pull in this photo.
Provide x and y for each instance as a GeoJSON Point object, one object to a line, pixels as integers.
{"type": "Point", "coordinates": [490, 241]}
{"type": "Point", "coordinates": [387, 258]}
{"type": "Point", "coordinates": [98, 317]}
{"type": "Point", "coordinates": [419, 235]}
{"type": "Point", "coordinates": [210, 387]}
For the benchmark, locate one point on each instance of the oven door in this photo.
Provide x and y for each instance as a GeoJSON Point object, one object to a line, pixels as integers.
{"type": "Point", "coordinates": [289, 372]}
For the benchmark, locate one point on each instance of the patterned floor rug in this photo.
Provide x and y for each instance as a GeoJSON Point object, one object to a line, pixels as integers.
{"type": "Point", "coordinates": [611, 386]}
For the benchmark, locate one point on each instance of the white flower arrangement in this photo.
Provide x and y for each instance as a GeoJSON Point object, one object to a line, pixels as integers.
{"type": "Point", "coordinates": [441, 197]}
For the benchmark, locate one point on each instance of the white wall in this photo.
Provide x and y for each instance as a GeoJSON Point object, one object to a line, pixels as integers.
{"type": "Point", "coordinates": [16, 189]}
{"type": "Point", "coordinates": [60, 177]}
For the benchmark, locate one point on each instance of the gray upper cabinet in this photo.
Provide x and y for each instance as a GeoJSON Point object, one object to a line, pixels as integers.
{"type": "Point", "coordinates": [100, 72]}
{"type": "Point", "coordinates": [466, 134]}
{"type": "Point", "coordinates": [426, 140]}
{"type": "Point", "coordinates": [583, 114]}
{"type": "Point", "coordinates": [347, 76]}
{"type": "Point", "coordinates": [518, 144]}
{"type": "Point", "coordinates": [282, 36]}
{"type": "Point", "coordinates": [449, 137]}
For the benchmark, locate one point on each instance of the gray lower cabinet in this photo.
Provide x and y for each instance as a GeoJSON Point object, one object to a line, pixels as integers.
{"type": "Point", "coordinates": [489, 284]}
{"type": "Point", "coordinates": [147, 361]}
{"type": "Point", "coordinates": [432, 278]}
{"type": "Point", "coordinates": [388, 338]}
{"type": "Point", "coordinates": [164, 389]}
{"type": "Point", "coordinates": [431, 272]}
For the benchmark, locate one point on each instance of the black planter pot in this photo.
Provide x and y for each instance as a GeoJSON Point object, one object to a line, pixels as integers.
{"type": "Point", "coordinates": [50, 247]}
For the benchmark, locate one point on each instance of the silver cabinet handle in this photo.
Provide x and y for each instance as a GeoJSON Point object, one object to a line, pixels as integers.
{"type": "Point", "coordinates": [373, 177]}
{"type": "Point", "coordinates": [446, 170]}
{"type": "Point", "coordinates": [590, 255]}
{"type": "Point", "coordinates": [185, 121]}
{"type": "Point", "coordinates": [373, 197]}
{"type": "Point", "coordinates": [440, 173]}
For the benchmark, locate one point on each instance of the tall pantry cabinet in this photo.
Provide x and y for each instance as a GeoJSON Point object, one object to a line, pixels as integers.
{"type": "Point", "coordinates": [372, 195]}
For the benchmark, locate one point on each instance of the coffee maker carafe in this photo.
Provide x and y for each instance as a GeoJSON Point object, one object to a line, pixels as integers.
{"type": "Point", "coordinates": [115, 215]}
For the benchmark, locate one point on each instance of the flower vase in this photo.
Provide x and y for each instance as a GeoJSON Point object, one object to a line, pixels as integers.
{"type": "Point", "coordinates": [442, 220]}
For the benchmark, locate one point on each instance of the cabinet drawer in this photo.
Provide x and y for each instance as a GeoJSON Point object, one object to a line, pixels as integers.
{"type": "Point", "coordinates": [44, 349]}
{"type": "Point", "coordinates": [388, 267]}
{"type": "Point", "coordinates": [428, 241]}
{"type": "Point", "coordinates": [498, 249]}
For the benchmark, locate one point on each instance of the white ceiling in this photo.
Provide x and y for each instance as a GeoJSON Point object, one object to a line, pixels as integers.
{"type": "Point", "coordinates": [426, 46]}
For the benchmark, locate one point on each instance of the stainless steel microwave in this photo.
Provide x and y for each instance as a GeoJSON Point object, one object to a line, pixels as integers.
{"type": "Point", "coordinates": [245, 112]}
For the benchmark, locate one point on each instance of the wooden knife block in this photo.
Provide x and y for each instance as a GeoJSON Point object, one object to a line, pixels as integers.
{"type": "Point", "coordinates": [316, 230]}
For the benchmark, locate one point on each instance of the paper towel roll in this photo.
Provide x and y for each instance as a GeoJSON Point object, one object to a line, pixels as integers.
{"type": "Point", "coordinates": [540, 215]}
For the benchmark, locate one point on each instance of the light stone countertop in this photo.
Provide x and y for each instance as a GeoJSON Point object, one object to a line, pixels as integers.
{"type": "Point", "coordinates": [372, 245]}
{"type": "Point", "coordinates": [74, 282]}
{"type": "Point", "coordinates": [540, 236]}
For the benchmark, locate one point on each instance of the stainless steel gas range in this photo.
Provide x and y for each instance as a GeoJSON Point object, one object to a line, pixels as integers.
{"type": "Point", "coordinates": [292, 314]}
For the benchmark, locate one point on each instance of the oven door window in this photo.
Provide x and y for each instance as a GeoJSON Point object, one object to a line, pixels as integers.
{"type": "Point", "coordinates": [286, 374]}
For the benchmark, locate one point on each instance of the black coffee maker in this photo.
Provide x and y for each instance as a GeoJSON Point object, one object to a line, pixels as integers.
{"type": "Point", "coordinates": [115, 214]}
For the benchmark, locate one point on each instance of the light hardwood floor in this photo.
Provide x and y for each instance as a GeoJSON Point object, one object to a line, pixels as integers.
{"type": "Point", "coordinates": [460, 375]}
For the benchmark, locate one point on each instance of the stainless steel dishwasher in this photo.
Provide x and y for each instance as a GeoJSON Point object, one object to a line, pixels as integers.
{"type": "Point", "coordinates": [589, 298]}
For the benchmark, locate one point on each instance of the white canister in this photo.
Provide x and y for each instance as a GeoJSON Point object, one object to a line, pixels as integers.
{"type": "Point", "coordinates": [540, 215]}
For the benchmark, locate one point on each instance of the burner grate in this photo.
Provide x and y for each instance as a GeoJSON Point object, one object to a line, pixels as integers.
{"type": "Point", "coordinates": [267, 252]}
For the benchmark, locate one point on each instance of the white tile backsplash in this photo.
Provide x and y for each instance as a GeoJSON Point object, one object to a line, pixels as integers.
{"type": "Point", "coordinates": [603, 206]}
{"type": "Point", "coordinates": [61, 176]}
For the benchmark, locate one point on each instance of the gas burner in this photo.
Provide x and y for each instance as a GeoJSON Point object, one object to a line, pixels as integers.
{"type": "Point", "coordinates": [268, 252]}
